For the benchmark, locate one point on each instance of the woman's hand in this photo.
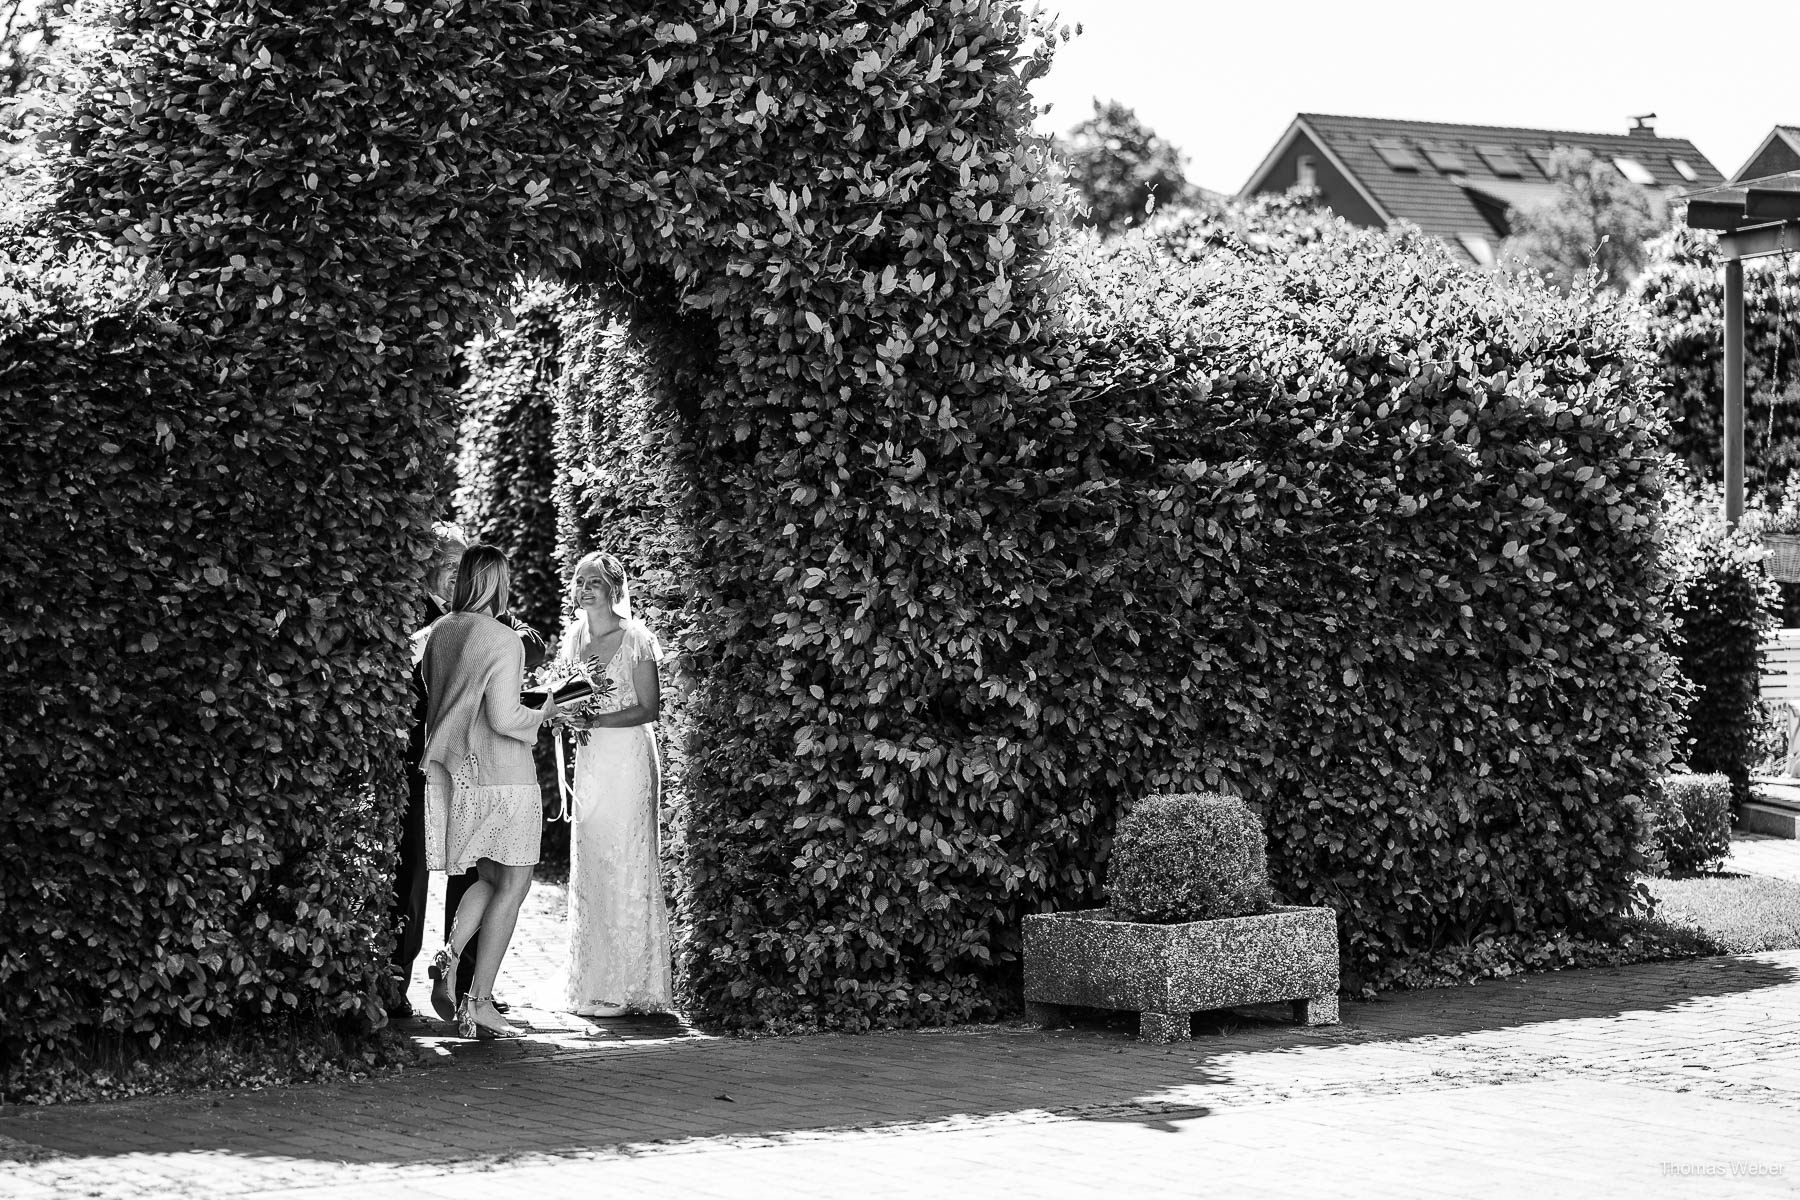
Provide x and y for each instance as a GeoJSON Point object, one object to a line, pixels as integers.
{"type": "Point", "coordinates": [550, 709]}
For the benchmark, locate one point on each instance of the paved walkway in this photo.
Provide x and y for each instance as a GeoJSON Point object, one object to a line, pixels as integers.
{"type": "Point", "coordinates": [1672, 1079]}
{"type": "Point", "coordinates": [1760, 854]}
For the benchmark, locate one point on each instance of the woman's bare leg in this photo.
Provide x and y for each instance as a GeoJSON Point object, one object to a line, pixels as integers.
{"type": "Point", "coordinates": [510, 884]}
{"type": "Point", "coordinates": [471, 910]}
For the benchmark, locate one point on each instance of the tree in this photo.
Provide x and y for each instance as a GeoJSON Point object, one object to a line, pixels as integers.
{"type": "Point", "coordinates": [42, 45]}
{"type": "Point", "coordinates": [1597, 221]}
{"type": "Point", "coordinates": [1116, 164]}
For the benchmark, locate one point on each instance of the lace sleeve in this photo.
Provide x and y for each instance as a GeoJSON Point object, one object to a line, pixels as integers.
{"type": "Point", "coordinates": [644, 646]}
{"type": "Point", "coordinates": [571, 640]}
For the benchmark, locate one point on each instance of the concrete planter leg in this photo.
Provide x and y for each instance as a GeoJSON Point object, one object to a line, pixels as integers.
{"type": "Point", "coordinates": [1163, 1028]}
{"type": "Point", "coordinates": [1318, 1010]}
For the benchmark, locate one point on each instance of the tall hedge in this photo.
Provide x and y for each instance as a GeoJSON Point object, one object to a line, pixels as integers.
{"type": "Point", "coordinates": [1313, 515]}
{"type": "Point", "coordinates": [190, 634]}
{"type": "Point", "coordinates": [984, 539]}
{"type": "Point", "coordinates": [506, 460]}
{"type": "Point", "coordinates": [1681, 293]}
{"type": "Point", "coordinates": [337, 196]}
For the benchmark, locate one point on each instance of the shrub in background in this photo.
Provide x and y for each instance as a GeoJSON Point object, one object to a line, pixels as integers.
{"type": "Point", "coordinates": [1723, 603]}
{"type": "Point", "coordinates": [1191, 857]}
{"type": "Point", "coordinates": [1690, 821]}
{"type": "Point", "coordinates": [1268, 225]}
{"type": "Point", "coordinates": [1119, 168]}
{"type": "Point", "coordinates": [1681, 295]}
{"type": "Point", "coordinates": [506, 463]}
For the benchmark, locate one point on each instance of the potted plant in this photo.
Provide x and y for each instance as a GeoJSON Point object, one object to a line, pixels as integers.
{"type": "Point", "coordinates": [1780, 533]}
{"type": "Point", "coordinates": [1191, 925]}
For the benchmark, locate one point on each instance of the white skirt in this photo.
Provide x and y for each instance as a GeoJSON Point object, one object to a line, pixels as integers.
{"type": "Point", "coordinates": [463, 826]}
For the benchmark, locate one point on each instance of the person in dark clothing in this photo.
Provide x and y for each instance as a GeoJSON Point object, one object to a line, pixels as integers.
{"type": "Point", "coordinates": [412, 882]}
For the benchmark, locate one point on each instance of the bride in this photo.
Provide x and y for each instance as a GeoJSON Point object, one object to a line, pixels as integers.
{"type": "Point", "coordinates": [618, 923]}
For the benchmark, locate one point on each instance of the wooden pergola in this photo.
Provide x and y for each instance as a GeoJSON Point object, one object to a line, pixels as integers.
{"type": "Point", "coordinates": [1753, 218]}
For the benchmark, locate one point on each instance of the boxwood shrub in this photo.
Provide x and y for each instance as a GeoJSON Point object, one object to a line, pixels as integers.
{"type": "Point", "coordinates": [979, 535]}
{"type": "Point", "coordinates": [1690, 822]}
{"type": "Point", "coordinates": [1190, 857]}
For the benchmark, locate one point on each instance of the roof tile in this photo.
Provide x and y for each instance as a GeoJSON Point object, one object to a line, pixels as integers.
{"type": "Point", "coordinates": [1437, 201]}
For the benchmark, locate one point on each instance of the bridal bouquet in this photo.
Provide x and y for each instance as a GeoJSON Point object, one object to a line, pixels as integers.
{"type": "Point", "coordinates": [576, 685]}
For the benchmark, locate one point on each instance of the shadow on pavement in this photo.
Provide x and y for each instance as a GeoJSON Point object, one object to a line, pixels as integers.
{"type": "Point", "coordinates": [602, 1086]}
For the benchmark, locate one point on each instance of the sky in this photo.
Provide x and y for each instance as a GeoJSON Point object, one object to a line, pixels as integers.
{"type": "Point", "coordinates": [1223, 81]}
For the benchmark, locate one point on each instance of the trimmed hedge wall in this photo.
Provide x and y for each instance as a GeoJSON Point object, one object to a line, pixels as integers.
{"type": "Point", "coordinates": [1682, 296]}
{"type": "Point", "coordinates": [191, 637]}
{"type": "Point", "coordinates": [980, 540]}
{"type": "Point", "coordinates": [1321, 518]}
{"type": "Point", "coordinates": [506, 461]}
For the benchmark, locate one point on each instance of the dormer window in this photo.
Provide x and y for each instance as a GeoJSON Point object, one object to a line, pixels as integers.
{"type": "Point", "coordinates": [1478, 247]}
{"type": "Point", "coordinates": [1635, 171]}
{"type": "Point", "coordinates": [1306, 172]}
{"type": "Point", "coordinates": [1446, 160]}
{"type": "Point", "coordinates": [1500, 161]}
{"type": "Point", "coordinates": [1685, 169]}
{"type": "Point", "coordinates": [1395, 153]}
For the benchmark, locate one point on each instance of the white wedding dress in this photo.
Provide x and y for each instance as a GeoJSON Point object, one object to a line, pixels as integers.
{"type": "Point", "coordinates": [618, 919]}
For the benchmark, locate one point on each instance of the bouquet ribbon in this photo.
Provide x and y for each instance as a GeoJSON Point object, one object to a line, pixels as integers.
{"type": "Point", "coordinates": [562, 779]}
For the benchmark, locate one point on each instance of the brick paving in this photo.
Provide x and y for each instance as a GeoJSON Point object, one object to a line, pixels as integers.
{"type": "Point", "coordinates": [1670, 1079]}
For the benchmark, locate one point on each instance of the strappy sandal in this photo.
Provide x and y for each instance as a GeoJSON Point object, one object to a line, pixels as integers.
{"type": "Point", "coordinates": [476, 1018]}
{"type": "Point", "coordinates": [443, 981]}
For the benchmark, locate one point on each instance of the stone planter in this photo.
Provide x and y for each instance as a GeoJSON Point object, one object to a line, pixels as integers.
{"type": "Point", "coordinates": [1166, 973]}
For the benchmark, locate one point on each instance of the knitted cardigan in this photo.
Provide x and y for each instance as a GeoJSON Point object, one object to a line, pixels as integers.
{"type": "Point", "coordinates": [475, 726]}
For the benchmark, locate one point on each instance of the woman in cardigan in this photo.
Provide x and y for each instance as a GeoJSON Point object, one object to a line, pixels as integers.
{"type": "Point", "coordinates": [482, 805]}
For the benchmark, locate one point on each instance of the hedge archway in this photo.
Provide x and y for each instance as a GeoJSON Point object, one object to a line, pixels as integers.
{"type": "Point", "coordinates": [845, 196]}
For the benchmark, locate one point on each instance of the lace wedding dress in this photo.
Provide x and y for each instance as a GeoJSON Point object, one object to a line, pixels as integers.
{"type": "Point", "coordinates": [618, 920]}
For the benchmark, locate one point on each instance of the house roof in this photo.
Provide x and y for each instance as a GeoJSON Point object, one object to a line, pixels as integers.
{"type": "Point", "coordinates": [1460, 172]}
{"type": "Point", "coordinates": [1780, 151]}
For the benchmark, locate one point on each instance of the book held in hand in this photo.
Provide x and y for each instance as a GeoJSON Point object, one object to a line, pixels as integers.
{"type": "Point", "coordinates": [567, 691]}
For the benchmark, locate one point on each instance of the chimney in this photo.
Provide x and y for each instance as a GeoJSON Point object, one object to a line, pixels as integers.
{"type": "Point", "coordinates": [1641, 126]}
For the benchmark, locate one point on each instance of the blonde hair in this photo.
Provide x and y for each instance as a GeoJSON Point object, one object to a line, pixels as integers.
{"type": "Point", "coordinates": [482, 581]}
{"type": "Point", "coordinates": [612, 573]}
